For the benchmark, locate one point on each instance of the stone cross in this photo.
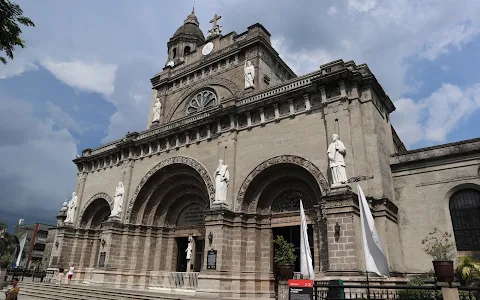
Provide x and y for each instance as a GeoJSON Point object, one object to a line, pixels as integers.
{"type": "Point", "coordinates": [214, 20]}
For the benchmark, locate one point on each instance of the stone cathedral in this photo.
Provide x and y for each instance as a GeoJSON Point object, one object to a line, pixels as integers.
{"type": "Point", "coordinates": [234, 140]}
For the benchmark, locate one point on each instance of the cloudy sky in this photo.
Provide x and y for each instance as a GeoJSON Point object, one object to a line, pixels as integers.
{"type": "Point", "coordinates": [84, 77]}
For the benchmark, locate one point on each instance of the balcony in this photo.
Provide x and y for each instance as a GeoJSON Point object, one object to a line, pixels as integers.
{"type": "Point", "coordinates": [37, 253]}
{"type": "Point", "coordinates": [40, 240]}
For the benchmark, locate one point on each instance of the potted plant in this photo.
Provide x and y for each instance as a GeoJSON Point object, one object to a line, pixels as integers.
{"type": "Point", "coordinates": [468, 271]}
{"type": "Point", "coordinates": [441, 248]}
{"type": "Point", "coordinates": [5, 260]}
{"type": "Point", "coordinates": [285, 257]}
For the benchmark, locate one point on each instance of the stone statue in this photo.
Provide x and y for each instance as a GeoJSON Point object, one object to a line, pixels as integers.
{"type": "Point", "coordinates": [72, 207]}
{"type": "Point", "coordinates": [336, 154]}
{"type": "Point", "coordinates": [222, 178]}
{"type": "Point", "coordinates": [118, 200]}
{"type": "Point", "coordinates": [189, 248]}
{"type": "Point", "coordinates": [157, 110]}
{"type": "Point", "coordinates": [249, 71]}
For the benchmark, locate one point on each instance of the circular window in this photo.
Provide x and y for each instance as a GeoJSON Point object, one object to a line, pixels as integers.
{"type": "Point", "coordinates": [201, 101]}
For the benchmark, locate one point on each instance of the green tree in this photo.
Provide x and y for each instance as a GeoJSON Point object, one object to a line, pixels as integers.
{"type": "Point", "coordinates": [10, 18]}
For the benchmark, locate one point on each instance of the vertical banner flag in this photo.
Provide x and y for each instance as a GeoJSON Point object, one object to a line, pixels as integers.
{"type": "Point", "coordinates": [375, 259]}
{"type": "Point", "coordinates": [22, 241]}
{"type": "Point", "coordinates": [306, 266]}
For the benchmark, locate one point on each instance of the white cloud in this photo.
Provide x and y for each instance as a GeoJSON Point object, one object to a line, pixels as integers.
{"type": "Point", "coordinates": [332, 10]}
{"type": "Point", "coordinates": [38, 173]}
{"type": "Point", "coordinates": [301, 59]}
{"type": "Point", "coordinates": [90, 77]}
{"type": "Point", "coordinates": [362, 5]}
{"type": "Point", "coordinates": [63, 119]}
{"type": "Point", "coordinates": [454, 37]}
{"type": "Point", "coordinates": [435, 117]}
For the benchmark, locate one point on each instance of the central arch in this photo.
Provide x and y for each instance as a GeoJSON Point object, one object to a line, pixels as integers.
{"type": "Point", "coordinates": [245, 204]}
{"type": "Point", "coordinates": [177, 180]}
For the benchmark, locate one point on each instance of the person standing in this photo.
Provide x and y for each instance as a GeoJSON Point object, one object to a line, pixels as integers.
{"type": "Point", "coordinates": [61, 272]}
{"type": "Point", "coordinates": [70, 273]}
{"type": "Point", "coordinates": [12, 293]}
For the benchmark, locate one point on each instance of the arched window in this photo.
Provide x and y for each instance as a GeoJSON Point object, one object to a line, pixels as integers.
{"type": "Point", "coordinates": [465, 213]}
{"type": "Point", "coordinates": [186, 51]}
{"type": "Point", "coordinates": [174, 53]}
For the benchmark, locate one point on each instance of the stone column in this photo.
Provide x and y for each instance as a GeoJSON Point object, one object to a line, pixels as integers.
{"type": "Point", "coordinates": [345, 254]}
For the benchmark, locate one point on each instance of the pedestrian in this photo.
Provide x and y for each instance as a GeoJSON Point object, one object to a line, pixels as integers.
{"type": "Point", "coordinates": [70, 273]}
{"type": "Point", "coordinates": [61, 272]}
{"type": "Point", "coordinates": [12, 293]}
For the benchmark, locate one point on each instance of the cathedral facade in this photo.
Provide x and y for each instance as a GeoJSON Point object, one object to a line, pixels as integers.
{"type": "Point", "coordinates": [234, 140]}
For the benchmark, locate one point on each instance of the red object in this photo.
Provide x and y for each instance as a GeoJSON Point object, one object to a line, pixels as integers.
{"type": "Point", "coordinates": [444, 271]}
{"type": "Point", "coordinates": [300, 283]}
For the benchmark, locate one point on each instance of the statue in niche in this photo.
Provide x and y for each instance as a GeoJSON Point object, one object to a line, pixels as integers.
{"type": "Point", "coordinates": [222, 179]}
{"type": "Point", "coordinates": [118, 200]}
{"type": "Point", "coordinates": [249, 71]}
{"type": "Point", "coordinates": [189, 248]}
{"type": "Point", "coordinates": [336, 155]}
{"type": "Point", "coordinates": [157, 110]}
{"type": "Point", "coordinates": [72, 207]}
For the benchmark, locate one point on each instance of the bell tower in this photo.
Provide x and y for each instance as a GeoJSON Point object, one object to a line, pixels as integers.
{"type": "Point", "coordinates": [186, 39]}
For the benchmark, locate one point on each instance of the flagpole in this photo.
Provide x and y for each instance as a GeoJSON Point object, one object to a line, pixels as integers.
{"type": "Point", "coordinates": [368, 284]}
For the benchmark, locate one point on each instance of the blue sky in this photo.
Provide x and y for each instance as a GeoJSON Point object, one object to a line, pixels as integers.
{"type": "Point", "coordinates": [83, 79]}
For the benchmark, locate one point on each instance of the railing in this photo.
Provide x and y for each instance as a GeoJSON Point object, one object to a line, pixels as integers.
{"type": "Point", "coordinates": [21, 274]}
{"type": "Point", "coordinates": [324, 291]}
{"type": "Point", "coordinates": [37, 253]}
{"type": "Point", "coordinates": [175, 280]}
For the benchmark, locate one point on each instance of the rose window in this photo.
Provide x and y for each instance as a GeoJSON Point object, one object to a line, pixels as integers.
{"type": "Point", "coordinates": [201, 101]}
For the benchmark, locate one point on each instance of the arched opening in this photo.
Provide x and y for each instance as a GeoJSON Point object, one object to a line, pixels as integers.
{"type": "Point", "coordinates": [276, 192]}
{"type": "Point", "coordinates": [186, 51]}
{"type": "Point", "coordinates": [465, 213]}
{"type": "Point", "coordinates": [174, 198]}
{"type": "Point", "coordinates": [96, 213]}
{"type": "Point", "coordinates": [174, 53]}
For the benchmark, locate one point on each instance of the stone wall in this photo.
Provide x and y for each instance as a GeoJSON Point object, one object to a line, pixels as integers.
{"type": "Point", "coordinates": [424, 180]}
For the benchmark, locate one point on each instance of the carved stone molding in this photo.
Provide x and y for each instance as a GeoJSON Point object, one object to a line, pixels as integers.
{"type": "Point", "coordinates": [104, 196]}
{"type": "Point", "coordinates": [292, 159]}
{"type": "Point", "coordinates": [232, 87]}
{"type": "Point", "coordinates": [169, 161]}
{"type": "Point", "coordinates": [359, 178]}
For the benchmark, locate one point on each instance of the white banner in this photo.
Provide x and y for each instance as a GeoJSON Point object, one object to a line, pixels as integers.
{"type": "Point", "coordinates": [22, 241]}
{"type": "Point", "coordinates": [306, 265]}
{"type": "Point", "coordinates": [375, 259]}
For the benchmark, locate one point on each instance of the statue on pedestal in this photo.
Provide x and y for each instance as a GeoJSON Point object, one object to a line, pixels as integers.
{"type": "Point", "coordinates": [189, 249]}
{"type": "Point", "coordinates": [157, 110]}
{"type": "Point", "coordinates": [118, 201]}
{"type": "Point", "coordinates": [336, 155]}
{"type": "Point", "coordinates": [222, 179]}
{"type": "Point", "coordinates": [249, 71]}
{"type": "Point", "coordinates": [72, 207]}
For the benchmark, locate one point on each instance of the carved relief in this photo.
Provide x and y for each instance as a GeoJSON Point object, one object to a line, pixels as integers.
{"type": "Point", "coordinates": [173, 160]}
{"type": "Point", "coordinates": [313, 169]}
{"type": "Point", "coordinates": [201, 101]}
{"type": "Point", "coordinates": [104, 196]}
{"type": "Point", "coordinates": [203, 83]}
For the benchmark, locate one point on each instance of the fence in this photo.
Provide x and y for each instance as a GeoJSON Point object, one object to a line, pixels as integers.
{"type": "Point", "coordinates": [324, 291]}
{"type": "Point", "coordinates": [175, 280]}
{"type": "Point", "coordinates": [22, 275]}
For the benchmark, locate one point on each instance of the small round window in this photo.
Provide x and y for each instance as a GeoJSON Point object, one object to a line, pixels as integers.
{"type": "Point", "coordinates": [201, 101]}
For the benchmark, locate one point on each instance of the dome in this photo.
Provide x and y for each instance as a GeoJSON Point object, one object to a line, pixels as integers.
{"type": "Point", "coordinates": [190, 27]}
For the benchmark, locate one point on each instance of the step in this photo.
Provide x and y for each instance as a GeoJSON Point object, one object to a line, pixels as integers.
{"type": "Point", "coordinates": [74, 291]}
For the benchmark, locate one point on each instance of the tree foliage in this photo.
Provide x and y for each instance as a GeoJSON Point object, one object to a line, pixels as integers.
{"type": "Point", "coordinates": [11, 15]}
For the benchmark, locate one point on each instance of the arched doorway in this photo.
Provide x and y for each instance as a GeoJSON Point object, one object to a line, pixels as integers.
{"type": "Point", "coordinates": [275, 193]}
{"type": "Point", "coordinates": [96, 211]}
{"type": "Point", "coordinates": [174, 198]}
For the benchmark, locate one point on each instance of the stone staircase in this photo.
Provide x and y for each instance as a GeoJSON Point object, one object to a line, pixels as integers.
{"type": "Point", "coordinates": [40, 290]}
